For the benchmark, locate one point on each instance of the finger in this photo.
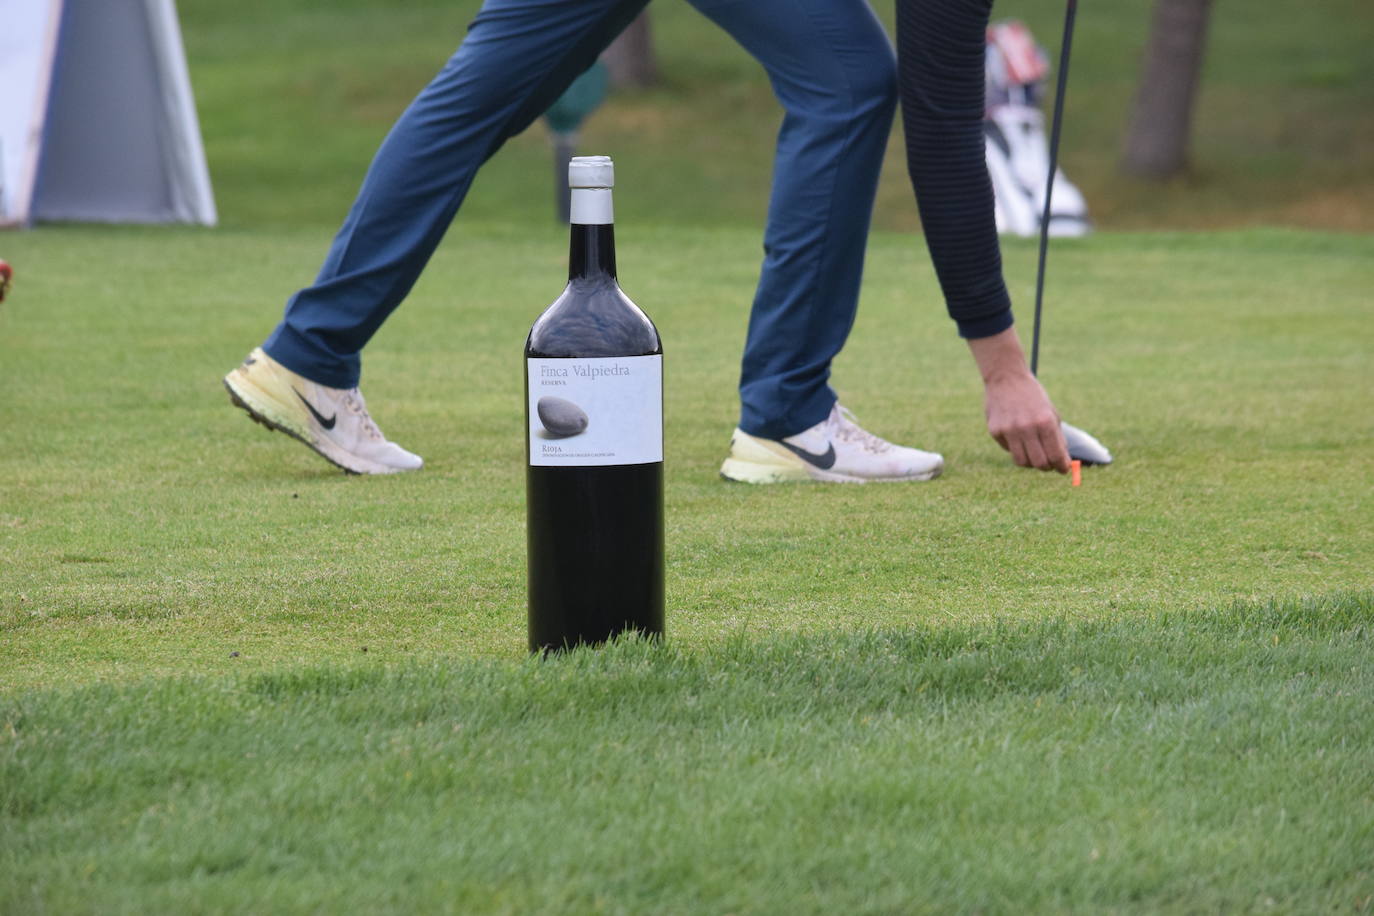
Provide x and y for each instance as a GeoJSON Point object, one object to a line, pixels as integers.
{"type": "Point", "coordinates": [1056, 449]}
{"type": "Point", "coordinates": [1018, 451]}
{"type": "Point", "coordinates": [1035, 452]}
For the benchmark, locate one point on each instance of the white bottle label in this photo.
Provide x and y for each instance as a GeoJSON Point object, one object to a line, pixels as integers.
{"type": "Point", "coordinates": [599, 411]}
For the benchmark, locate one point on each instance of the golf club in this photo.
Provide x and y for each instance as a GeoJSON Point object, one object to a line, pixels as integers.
{"type": "Point", "coordinates": [1082, 446]}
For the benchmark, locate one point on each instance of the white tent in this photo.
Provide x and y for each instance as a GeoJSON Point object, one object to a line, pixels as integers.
{"type": "Point", "coordinates": [97, 121]}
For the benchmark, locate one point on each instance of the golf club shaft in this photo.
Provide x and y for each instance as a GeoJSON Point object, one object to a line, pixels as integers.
{"type": "Point", "coordinates": [1056, 123]}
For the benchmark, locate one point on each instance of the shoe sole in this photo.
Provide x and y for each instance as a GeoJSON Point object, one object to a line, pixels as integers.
{"type": "Point", "coordinates": [752, 472]}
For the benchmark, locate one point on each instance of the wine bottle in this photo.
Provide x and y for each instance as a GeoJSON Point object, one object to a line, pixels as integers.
{"type": "Point", "coordinates": [594, 442]}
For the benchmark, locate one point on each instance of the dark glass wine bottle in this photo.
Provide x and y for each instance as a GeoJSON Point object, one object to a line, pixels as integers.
{"type": "Point", "coordinates": [594, 443]}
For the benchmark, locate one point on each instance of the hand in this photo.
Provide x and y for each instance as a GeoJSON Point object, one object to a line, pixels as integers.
{"type": "Point", "coordinates": [1019, 413]}
{"type": "Point", "coordinates": [1024, 422]}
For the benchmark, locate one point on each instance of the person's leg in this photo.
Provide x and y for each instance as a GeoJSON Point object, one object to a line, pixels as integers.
{"type": "Point", "coordinates": [517, 58]}
{"type": "Point", "coordinates": [834, 71]}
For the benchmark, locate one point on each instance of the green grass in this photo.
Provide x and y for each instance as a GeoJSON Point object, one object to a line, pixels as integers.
{"type": "Point", "coordinates": [1189, 762]}
{"type": "Point", "coordinates": [295, 96]}
{"type": "Point", "coordinates": [231, 676]}
{"type": "Point", "coordinates": [234, 680]}
{"type": "Point", "coordinates": [149, 528]}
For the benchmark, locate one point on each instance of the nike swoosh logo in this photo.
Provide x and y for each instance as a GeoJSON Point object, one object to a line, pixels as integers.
{"type": "Point", "coordinates": [329, 424]}
{"type": "Point", "coordinates": [824, 462]}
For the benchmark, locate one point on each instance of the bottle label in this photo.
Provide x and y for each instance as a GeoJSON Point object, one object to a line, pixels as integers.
{"type": "Point", "coordinates": [600, 411]}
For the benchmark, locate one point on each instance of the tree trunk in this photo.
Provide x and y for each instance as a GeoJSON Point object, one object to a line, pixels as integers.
{"type": "Point", "coordinates": [1161, 120]}
{"type": "Point", "coordinates": [630, 59]}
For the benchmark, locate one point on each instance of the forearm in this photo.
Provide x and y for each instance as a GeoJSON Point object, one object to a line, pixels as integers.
{"type": "Point", "coordinates": [941, 44]}
{"type": "Point", "coordinates": [999, 357]}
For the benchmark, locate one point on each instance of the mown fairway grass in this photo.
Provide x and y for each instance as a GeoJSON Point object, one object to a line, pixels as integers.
{"type": "Point", "coordinates": [1196, 762]}
{"type": "Point", "coordinates": [992, 691]}
{"type": "Point", "coordinates": [150, 528]}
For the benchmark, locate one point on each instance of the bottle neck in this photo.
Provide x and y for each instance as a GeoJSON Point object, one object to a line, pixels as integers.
{"type": "Point", "coordinates": [591, 251]}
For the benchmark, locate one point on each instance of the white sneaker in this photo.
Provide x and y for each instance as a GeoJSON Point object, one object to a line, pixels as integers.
{"type": "Point", "coordinates": [836, 449]}
{"type": "Point", "coordinates": [332, 421]}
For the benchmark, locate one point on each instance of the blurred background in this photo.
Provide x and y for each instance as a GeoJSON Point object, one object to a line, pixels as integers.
{"type": "Point", "coordinates": [295, 95]}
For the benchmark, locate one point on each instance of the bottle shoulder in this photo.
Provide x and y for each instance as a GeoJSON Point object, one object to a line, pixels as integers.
{"type": "Point", "coordinates": [593, 318]}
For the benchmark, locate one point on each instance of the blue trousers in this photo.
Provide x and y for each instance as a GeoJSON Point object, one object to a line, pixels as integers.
{"type": "Point", "coordinates": [831, 66]}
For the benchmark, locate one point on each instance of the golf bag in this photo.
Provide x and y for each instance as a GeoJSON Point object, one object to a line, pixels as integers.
{"type": "Point", "coordinates": [1017, 151]}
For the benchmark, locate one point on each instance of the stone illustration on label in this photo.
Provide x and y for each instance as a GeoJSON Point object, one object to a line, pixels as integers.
{"type": "Point", "coordinates": [561, 417]}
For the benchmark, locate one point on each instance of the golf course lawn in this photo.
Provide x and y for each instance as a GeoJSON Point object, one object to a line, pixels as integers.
{"type": "Point", "coordinates": [233, 679]}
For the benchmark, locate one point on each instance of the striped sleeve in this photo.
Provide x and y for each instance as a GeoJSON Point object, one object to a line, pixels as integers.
{"type": "Point", "coordinates": [940, 48]}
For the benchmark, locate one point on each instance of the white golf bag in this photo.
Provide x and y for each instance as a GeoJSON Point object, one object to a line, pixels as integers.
{"type": "Point", "coordinates": [1017, 150]}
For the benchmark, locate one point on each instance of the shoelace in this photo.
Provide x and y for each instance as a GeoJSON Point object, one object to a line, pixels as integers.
{"type": "Point", "coordinates": [848, 429]}
{"type": "Point", "coordinates": [353, 400]}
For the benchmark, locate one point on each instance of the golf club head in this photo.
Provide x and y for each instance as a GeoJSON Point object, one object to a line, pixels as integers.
{"type": "Point", "coordinates": [1083, 447]}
